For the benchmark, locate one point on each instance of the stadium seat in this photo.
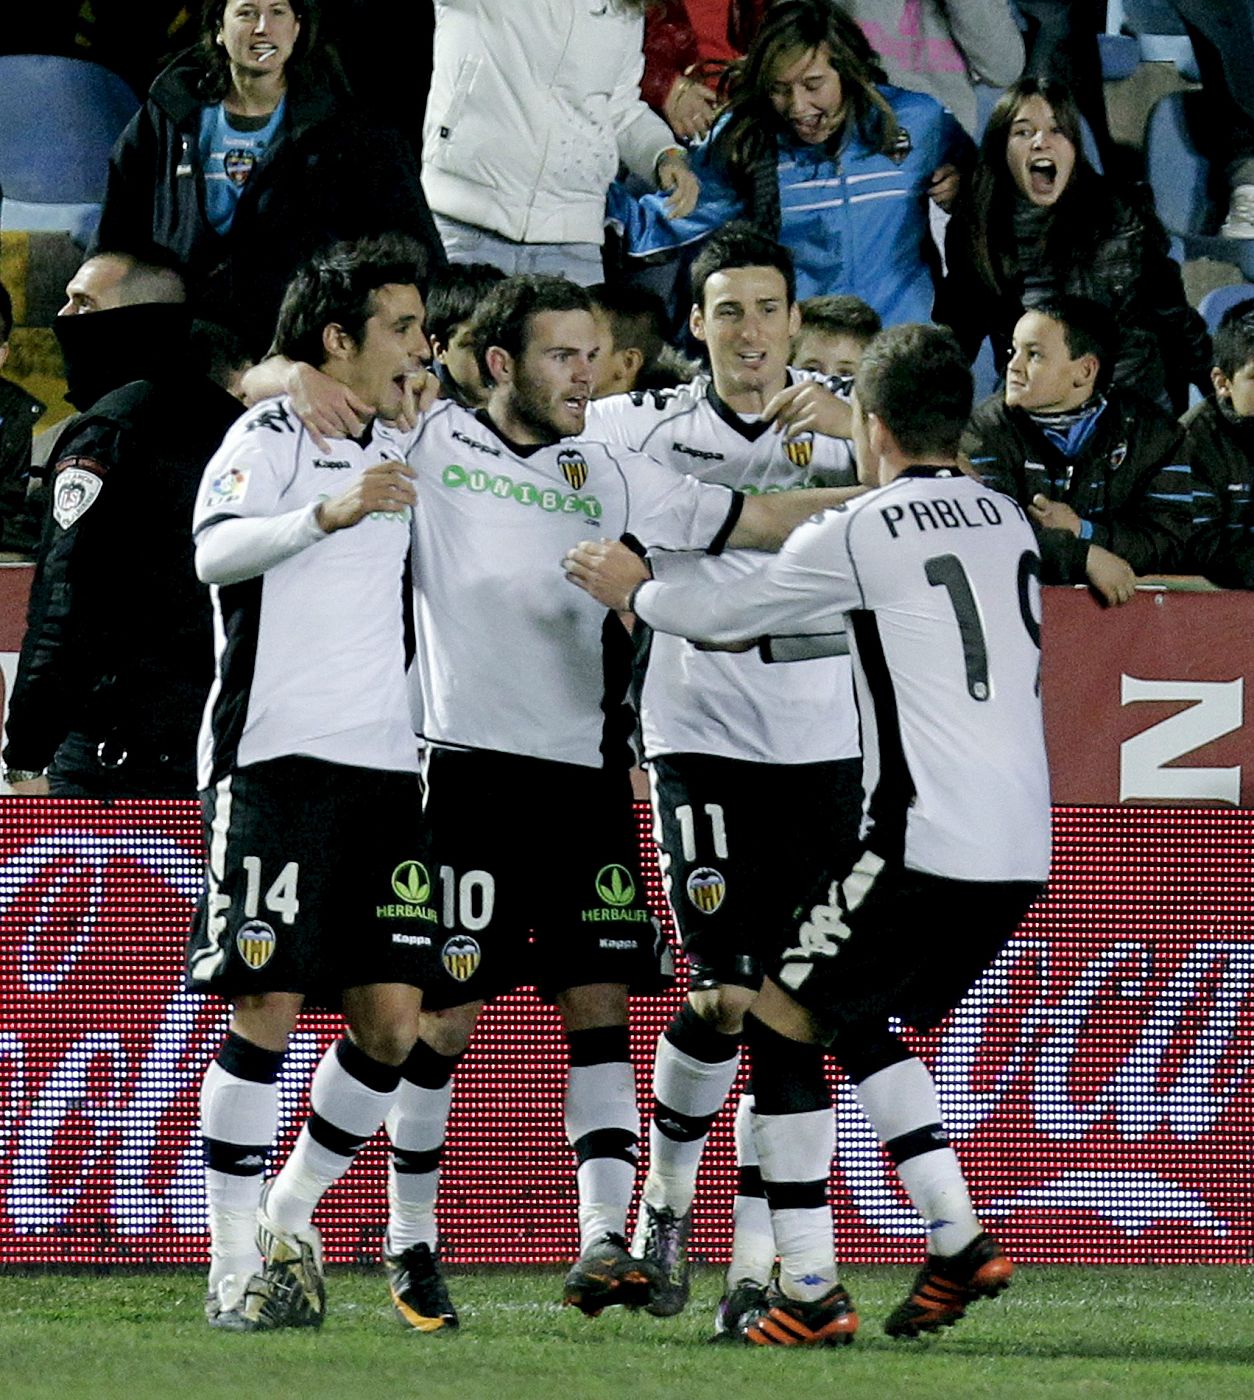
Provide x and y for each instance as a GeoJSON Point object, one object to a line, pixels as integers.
{"type": "Point", "coordinates": [1161, 35]}
{"type": "Point", "coordinates": [59, 118]}
{"type": "Point", "coordinates": [1213, 305]}
{"type": "Point", "coordinates": [1190, 196]}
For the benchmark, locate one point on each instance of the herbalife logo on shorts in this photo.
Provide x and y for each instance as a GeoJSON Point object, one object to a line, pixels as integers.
{"type": "Point", "coordinates": [523, 493]}
{"type": "Point", "coordinates": [412, 886]}
{"type": "Point", "coordinates": [617, 891]}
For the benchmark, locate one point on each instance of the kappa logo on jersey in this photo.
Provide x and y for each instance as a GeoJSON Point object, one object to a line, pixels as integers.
{"type": "Point", "coordinates": [504, 488]}
{"type": "Point", "coordinates": [275, 417]}
{"type": "Point", "coordinates": [698, 452]}
{"type": "Point", "coordinates": [228, 487]}
{"type": "Point", "coordinates": [615, 886]}
{"type": "Point", "coordinates": [573, 466]}
{"type": "Point", "coordinates": [461, 955]}
{"type": "Point", "coordinates": [478, 446]}
{"type": "Point", "coordinates": [706, 888]}
{"type": "Point", "coordinates": [800, 449]}
{"type": "Point", "coordinates": [411, 883]}
{"type": "Point", "coordinates": [255, 943]}
{"type": "Point", "coordinates": [328, 464]}
{"type": "Point", "coordinates": [78, 483]}
{"type": "Point", "coordinates": [239, 165]}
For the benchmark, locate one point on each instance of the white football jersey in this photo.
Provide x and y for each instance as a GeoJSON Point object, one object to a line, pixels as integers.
{"type": "Point", "coordinates": [939, 578]}
{"type": "Point", "coordinates": [511, 656]}
{"type": "Point", "coordinates": [311, 651]}
{"type": "Point", "coordinates": [733, 705]}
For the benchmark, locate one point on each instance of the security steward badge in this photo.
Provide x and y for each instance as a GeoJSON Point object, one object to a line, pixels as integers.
{"type": "Point", "coordinates": [573, 466]}
{"type": "Point", "coordinates": [800, 450]}
{"type": "Point", "coordinates": [228, 487]}
{"type": "Point", "coordinates": [706, 888]}
{"type": "Point", "coordinates": [255, 943]}
{"type": "Point", "coordinates": [75, 488]}
{"type": "Point", "coordinates": [461, 955]}
{"type": "Point", "coordinates": [239, 165]}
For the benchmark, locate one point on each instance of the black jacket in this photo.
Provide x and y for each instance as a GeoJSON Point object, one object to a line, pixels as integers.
{"type": "Point", "coordinates": [118, 646]}
{"type": "Point", "coordinates": [331, 175]}
{"type": "Point", "coordinates": [19, 513]}
{"type": "Point", "coordinates": [1219, 448]}
{"type": "Point", "coordinates": [1163, 344]}
{"type": "Point", "coordinates": [1127, 481]}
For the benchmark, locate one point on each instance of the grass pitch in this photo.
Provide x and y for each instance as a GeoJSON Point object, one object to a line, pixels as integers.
{"type": "Point", "coordinates": [1125, 1333]}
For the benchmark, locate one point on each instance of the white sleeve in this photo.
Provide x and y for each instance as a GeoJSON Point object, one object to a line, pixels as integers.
{"type": "Point", "coordinates": [641, 134]}
{"type": "Point", "coordinates": [231, 549]}
{"type": "Point", "coordinates": [806, 588]}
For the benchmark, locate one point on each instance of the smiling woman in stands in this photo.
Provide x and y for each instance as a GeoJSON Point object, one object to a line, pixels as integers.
{"type": "Point", "coordinates": [1036, 219]}
{"type": "Point", "coordinates": [248, 157]}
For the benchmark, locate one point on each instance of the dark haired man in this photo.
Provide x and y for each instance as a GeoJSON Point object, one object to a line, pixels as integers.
{"type": "Point", "coordinates": [1097, 467]}
{"type": "Point", "coordinates": [1219, 448]}
{"type": "Point", "coordinates": [728, 738]}
{"type": "Point", "coordinates": [522, 710]}
{"type": "Point", "coordinates": [115, 663]}
{"type": "Point", "coordinates": [936, 578]}
{"type": "Point", "coordinates": [308, 770]}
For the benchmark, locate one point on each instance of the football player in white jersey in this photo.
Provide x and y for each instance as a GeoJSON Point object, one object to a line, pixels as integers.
{"type": "Point", "coordinates": [309, 777]}
{"type": "Point", "coordinates": [938, 578]}
{"type": "Point", "coordinates": [528, 820]}
{"type": "Point", "coordinates": [753, 767]}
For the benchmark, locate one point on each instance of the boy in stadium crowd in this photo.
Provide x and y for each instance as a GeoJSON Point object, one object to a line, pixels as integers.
{"type": "Point", "coordinates": [834, 332]}
{"type": "Point", "coordinates": [1219, 448]}
{"type": "Point", "coordinates": [504, 493]}
{"type": "Point", "coordinates": [1097, 468]}
{"type": "Point", "coordinates": [307, 733]}
{"type": "Point", "coordinates": [452, 299]}
{"type": "Point", "coordinates": [728, 739]}
{"type": "Point", "coordinates": [879, 942]}
{"type": "Point", "coordinates": [634, 353]}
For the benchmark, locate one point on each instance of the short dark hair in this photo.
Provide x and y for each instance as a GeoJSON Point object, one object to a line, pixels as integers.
{"type": "Point", "coordinates": [337, 288]}
{"type": "Point", "coordinates": [220, 352]}
{"type": "Point", "coordinates": [6, 314]}
{"type": "Point", "coordinates": [1234, 338]}
{"type": "Point", "coordinates": [739, 244]}
{"type": "Point", "coordinates": [1087, 327]}
{"type": "Point", "coordinates": [504, 315]}
{"type": "Point", "coordinates": [840, 315]}
{"type": "Point", "coordinates": [456, 291]}
{"type": "Point", "coordinates": [916, 381]}
{"type": "Point", "coordinates": [637, 320]}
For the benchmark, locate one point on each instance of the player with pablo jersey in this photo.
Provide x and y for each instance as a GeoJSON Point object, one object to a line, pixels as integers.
{"type": "Point", "coordinates": [938, 579]}
{"type": "Point", "coordinates": [309, 774]}
{"type": "Point", "coordinates": [753, 767]}
{"type": "Point", "coordinates": [528, 813]}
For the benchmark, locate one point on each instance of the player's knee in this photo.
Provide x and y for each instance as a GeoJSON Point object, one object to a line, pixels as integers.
{"type": "Point", "coordinates": [723, 1008]}
{"type": "Point", "coordinates": [267, 1019]}
{"type": "Point", "coordinates": [389, 1041]}
{"type": "Point", "coordinates": [448, 1032]}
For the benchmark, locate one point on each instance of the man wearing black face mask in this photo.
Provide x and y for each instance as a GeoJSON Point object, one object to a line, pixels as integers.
{"type": "Point", "coordinates": [118, 655]}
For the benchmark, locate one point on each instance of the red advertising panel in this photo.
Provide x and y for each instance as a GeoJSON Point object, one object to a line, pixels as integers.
{"type": "Point", "coordinates": [1097, 1081]}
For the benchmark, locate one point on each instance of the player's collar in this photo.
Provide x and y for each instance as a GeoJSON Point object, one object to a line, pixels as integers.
{"type": "Point", "coordinates": [936, 473]}
{"type": "Point", "coordinates": [519, 449]}
{"type": "Point", "coordinates": [751, 432]}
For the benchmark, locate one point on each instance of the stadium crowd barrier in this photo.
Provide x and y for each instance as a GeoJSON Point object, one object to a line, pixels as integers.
{"type": "Point", "coordinates": [1097, 1081]}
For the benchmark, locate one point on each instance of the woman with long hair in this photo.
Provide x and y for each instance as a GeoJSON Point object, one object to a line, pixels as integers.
{"type": "Point", "coordinates": [816, 150]}
{"type": "Point", "coordinates": [1036, 220]}
{"type": "Point", "coordinates": [249, 156]}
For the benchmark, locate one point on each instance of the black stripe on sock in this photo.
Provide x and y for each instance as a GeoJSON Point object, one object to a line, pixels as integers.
{"type": "Point", "coordinates": [235, 1158]}
{"type": "Point", "coordinates": [864, 1053]}
{"type": "Point", "coordinates": [681, 1127]}
{"type": "Point", "coordinates": [796, 1195]}
{"type": "Point", "coordinates": [334, 1139]}
{"type": "Point", "coordinates": [603, 1045]}
{"type": "Point", "coordinates": [788, 1075]}
{"type": "Point", "coordinates": [245, 1060]}
{"type": "Point", "coordinates": [619, 1143]}
{"type": "Point", "coordinates": [695, 1037]}
{"type": "Point", "coordinates": [749, 1182]}
{"type": "Point", "coordinates": [427, 1068]}
{"type": "Point", "coordinates": [374, 1074]}
{"type": "Point", "coordinates": [408, 1163]}
{"type": "Point", "coordinates": [917, 1142]}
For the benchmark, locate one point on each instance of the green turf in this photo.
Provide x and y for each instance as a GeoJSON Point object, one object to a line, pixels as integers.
{"type": "Point", "coordinates": [1123, 1333]}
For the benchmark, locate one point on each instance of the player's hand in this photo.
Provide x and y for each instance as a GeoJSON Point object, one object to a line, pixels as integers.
{"type": "Point", "coordinates": [420, 390]}
{"type": "Point", "coordinates": [809, 408]}
{"type": "Point", "coordinates": [1110, 576]}
{"type": "Point", "coordinates": [675, 175]}
{"type": "Point", "coordinates": [32, 787]}
{"type": "Point", "coordinates": [387, 487]}
{"type": "Point", "coordinates": [327, 408]}
{"type": "Point", "coordinates": [945, 184]}
{"type": "Point", "coordinates": [606, 569]}
{"type": "Point", "coordinates": [690, 108]}
{"type": "Point", "coordinates": [1054, 515]}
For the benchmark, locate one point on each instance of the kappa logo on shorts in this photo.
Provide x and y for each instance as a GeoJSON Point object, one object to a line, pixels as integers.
{"type": "Point", "coordinates": [706, 888]}
{"type": "Point", "coordinates": [573, 466]}
{"type": "Point", "coordinates": [461, 955]}
{"type": "Point", "coordinates": [800, 449]}
{"type": "Point", "coordinates": [255, 942]}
